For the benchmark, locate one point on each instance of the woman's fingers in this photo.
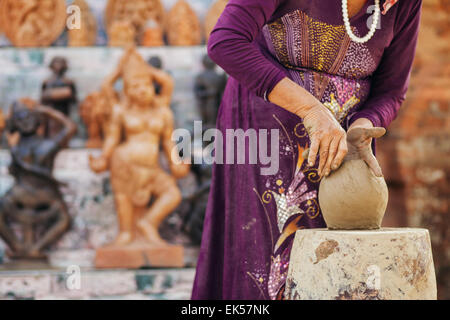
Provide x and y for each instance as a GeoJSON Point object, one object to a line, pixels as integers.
{"type": "Point", "coordinates": [324, 153]}
{"type": "Point", "coordinates": [375, 132]}
{"type": "Point", "coordinates": [331, 154]}
{"type": "Point", "coordinates": [313, 150]}
{"type": "Point", "coordinates": [332, 148]}
{"type": "Point", "coordinates": [372, 162]}
{"type": "Point", "coordinates": [341, 153]}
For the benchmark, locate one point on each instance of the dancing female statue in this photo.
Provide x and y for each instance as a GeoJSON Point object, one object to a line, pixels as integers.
{"type": "Point", "coordinates": [146, 122]}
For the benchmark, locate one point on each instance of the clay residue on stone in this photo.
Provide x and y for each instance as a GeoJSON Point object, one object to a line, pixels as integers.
{"type": "Point", "coordinates": [360, 293]}
{"type": "Point", "coordinates": [416, 269]}
{"type": "Point", "coordinates": [324, 249]}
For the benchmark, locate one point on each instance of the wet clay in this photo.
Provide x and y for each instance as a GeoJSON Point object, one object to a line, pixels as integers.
{"type": "Point", "coordinates": [353, 197]}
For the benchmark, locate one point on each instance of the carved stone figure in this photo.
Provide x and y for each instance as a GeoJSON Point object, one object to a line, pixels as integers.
{"type": "Point", "coordinates": [121, 34]}
{"type": "Point", "coordinates": [34, 203]}
{"type": "Point", "coordinates": [352, 197]}
{"type": "Point", "coordinates": [2, 121]}
{"type": "Point", "coordinates": [58, 91]}
{"type": "Point", "coordinates": [13, 137]}
{"type": "Point", "coordinates": [156, 62]}
{"type": "Point", "coordinates": [33, 23]}
{"type": "Point", "coordinates": [183, 26]}
{"type": "Point", "coordinates": [152, 34]}
{"type": "Point", "coordinates": [144, 193]}
{"type": "Point", "coordinates": [209, 86]}
{"type": "Point", "coordinates": [213, 15]}
{"type": "Point", "coordinates": [1, 19]}
{"type": "Point", "coordinates": [145, 18]}
{"type": "Point", "coordinates": [95, 111]}
{"type": "Point", "coordinates": [86, 35]}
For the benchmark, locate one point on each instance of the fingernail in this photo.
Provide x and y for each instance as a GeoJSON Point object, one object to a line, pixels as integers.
{"type": "Point", "coordinates": [310, 163]}
{"type": "Point", "coordinates": [327, 173]}
{"type": "Point", "coordinates": [334, 166]}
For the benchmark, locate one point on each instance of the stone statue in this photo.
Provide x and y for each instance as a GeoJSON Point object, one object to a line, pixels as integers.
{"type": "Point", "coordinates": [209, 86]}
{"type": "Point", "coordinates": [2, 121]}
{"type": "Point", "coordinates": [95, 111]}
{"type": "Point", "coordinates": [144, 193]}
{"type": "Point", "coordinates": [34, 203]}
{"type": "Point", "coordinates": [183, 26]}
{"type": "Point", "coordinates": [133, 20]}
{"type": "Point", "coordinates": [33, 23]}
{"type": "Point", "coordinates": [87, 34]}
{"type": "Point", "coordinates": [13, 137]}
{"type": "Point", "coordinates": [121, 33]}
{"type": "Point", "coordinates": [152, 34]}
{"type": "Point", "coordinates": [156, 62]}
{"type": "Point", "coordinates": [58, 91]}
{"type": "Point", "coordinates": [353, 197]}
{"type": "Point", "coordinates": [1, 20]}
{"type": "Point", "coordinates": [213, 15]}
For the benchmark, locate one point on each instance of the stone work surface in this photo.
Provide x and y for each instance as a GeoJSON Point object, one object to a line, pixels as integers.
{"type": "Point", "coordinates": [361, 265]}
{"type": "Point", "coordinates": [127, 284]}
{"type": "Point", "coordinates": [415, 153]}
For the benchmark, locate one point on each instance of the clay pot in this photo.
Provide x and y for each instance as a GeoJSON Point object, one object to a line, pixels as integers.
{"type": "Point", "coordinates": [352, 197]}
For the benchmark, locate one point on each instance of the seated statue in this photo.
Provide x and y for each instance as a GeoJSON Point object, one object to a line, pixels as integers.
{"type": "Point", "coordinates": [34, 203]}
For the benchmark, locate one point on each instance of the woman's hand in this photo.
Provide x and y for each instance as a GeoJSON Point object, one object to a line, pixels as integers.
{"type": "Point", "coordinates": [328, 138]}
{"type": "Point", "coordinates": [359, 138]}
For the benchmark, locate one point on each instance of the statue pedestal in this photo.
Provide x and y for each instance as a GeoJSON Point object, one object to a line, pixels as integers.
{"type": "Point", "coordinates": [361, 264]}
{"type": "Point", "coordinates": [139, 255]}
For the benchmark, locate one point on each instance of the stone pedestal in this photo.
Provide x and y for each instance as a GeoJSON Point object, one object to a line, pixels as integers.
{"type": "Point", "coordinates": [394, 264]}
{"type": "Point", "coordinates": [136, 256]}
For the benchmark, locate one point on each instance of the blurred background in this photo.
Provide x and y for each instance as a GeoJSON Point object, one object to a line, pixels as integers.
{"type": "Point", "coordinates": [414, 155]}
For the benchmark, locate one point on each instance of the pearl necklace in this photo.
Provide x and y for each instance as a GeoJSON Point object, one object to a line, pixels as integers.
{"type": "Point", "coordinates": [372, 29]}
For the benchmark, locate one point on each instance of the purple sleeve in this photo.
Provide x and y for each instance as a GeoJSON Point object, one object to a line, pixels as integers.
{"type": "Point", "coordinates": [231, 45]}
{"type": "Point", "coordinates": [390, 80]}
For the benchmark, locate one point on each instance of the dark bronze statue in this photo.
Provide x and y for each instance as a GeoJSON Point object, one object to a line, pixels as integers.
{"type": "Point", "coordinates": [209, 86]}
{"type": "Point", "coordinates": [156, 63]}
{"type": "Point", "coordinates": [34, 203]}
{"type": "Point", "coordinates": [58, 91]}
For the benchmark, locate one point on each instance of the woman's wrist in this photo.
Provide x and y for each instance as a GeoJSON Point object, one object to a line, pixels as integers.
{"type": "Point", "coordinates": [292, 97]}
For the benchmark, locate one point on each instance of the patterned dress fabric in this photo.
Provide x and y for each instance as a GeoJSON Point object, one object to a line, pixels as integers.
{"type": "Point", "coordinates": [251, 218]}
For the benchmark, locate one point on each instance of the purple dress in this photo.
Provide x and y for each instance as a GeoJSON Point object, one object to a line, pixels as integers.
{"type": "Point", "coordinates": [251, 218]}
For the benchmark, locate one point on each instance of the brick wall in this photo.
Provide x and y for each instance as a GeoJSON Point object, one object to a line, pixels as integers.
{"type": "Point", "coordinates": [415, 154]}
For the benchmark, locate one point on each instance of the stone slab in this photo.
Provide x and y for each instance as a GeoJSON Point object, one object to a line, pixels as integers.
{"type": "Point", "coordinates": [389, 263]}
{"type": "Point", "coordinates": [139, 256]}
{"type": "Point", "coordinates": [149, 284]}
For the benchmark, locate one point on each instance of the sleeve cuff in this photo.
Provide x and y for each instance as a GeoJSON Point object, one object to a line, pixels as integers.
{"type": "Point", "coordinates": [267, 88]}
{"type": "Point", "coordinates": [367, 115]}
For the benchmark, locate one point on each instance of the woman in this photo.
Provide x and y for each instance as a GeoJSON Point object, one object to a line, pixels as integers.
{"type": "Point", "coordinates": [298, 67]}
